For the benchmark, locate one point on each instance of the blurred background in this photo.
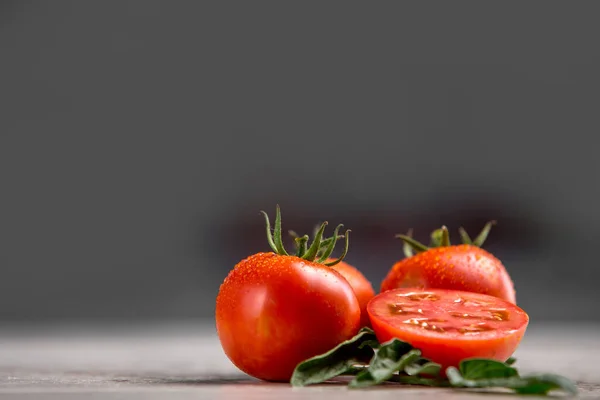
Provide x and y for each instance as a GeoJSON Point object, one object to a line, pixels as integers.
{"type": "Point", "coordinates": [140, 138]}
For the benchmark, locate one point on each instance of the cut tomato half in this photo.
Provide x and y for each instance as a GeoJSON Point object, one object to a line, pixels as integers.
{"type": "Point", "coordinates": [448, 325]}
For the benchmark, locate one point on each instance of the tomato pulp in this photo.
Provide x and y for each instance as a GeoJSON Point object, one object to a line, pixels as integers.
{"type": "Point", "coordinates": [449, 325]}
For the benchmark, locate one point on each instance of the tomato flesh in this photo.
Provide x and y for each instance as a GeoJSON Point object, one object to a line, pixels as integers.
{"type": "Point", "coordinates": [448, 325]}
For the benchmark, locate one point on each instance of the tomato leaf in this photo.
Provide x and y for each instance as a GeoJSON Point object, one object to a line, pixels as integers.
{"type": "Point", "coordinates": [480, 368]}
{"type": "Point", "coordinates": [543, 383]}
{"type": "Point", "coordinates": [338, 361]}
{"type": "Point", "coordinates": [373, 344]}
{"type": "Point", "coordinates": [510, 361]}
{"type": "Point", "coordinates": [390, 358]}
{"type": "Point", "coordinates": [397, 361]}
{"type": "Point", "coordinates": [423, 367]}
{"type": "Point", "coordinates": [418, 380]}
{"type": "Point", "coordinates": [533, 384]}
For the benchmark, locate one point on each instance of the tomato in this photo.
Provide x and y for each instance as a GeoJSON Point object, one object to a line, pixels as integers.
{"type": "Point", "coordinates": [274, 310]}
{"type": "Point", "coordinates": [362, 288]}
{"type": "Point", "coordinates": [449, 325]}
{"type": "Point", "coordinates": [460, 267]}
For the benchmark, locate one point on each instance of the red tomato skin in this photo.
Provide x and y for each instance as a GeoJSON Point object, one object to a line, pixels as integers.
{"type": "Point", "coordinates": [450, 350]}
{"type": "Point", "coordinates": [462, 267]}
{"type": "Point", "coordinates": [362, 288]}
{"type": "Point", "coordinates": [273, 311]}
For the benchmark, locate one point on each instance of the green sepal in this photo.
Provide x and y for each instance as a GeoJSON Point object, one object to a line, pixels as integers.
{"type": "Point", "coordinates": [464, 236]}
{"type": "Point", "coordinates": [277, 233]}
{"type": "Point", "coordinates": [343, 255]}
{"type": "Point", "coordinates": [414, 245]}
{"type": "Point", "coordinates": [440, 237]}
{"type": "Point", "coordinates": [320, 249]}
{"type": "Point", "coordinates": [301, 245]}
{"type": "Point", "coordinates": [329, 249]}
{"type": "Point", "coordinates": [480, 239]}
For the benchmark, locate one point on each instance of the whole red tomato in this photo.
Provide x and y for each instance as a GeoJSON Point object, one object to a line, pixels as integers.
{"type": "Point", "coordinates": [464, 267]}
{"type": "Point", "coordinates": [275, 310]}
{"type": "Point", "coordinates": [449, 326]}
{"type": "Point", "coordinates": [362, 288]}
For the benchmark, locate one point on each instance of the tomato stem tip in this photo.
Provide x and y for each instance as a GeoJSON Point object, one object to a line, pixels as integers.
{"type": "Point", "coordinates": [320, 248]}
{"type": "Point", "coordinates": [441, 238]}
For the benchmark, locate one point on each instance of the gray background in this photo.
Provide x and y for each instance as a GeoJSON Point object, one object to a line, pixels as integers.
{"type": "Point", "coordinates": [139, 140]}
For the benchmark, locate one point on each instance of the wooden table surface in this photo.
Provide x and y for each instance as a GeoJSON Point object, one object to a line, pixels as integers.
{"type": "Point", "coordinates": [185, 361]}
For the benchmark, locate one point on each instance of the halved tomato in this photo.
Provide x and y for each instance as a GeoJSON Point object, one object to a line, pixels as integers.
{"type": "Point", "coordinates": [449, 325]}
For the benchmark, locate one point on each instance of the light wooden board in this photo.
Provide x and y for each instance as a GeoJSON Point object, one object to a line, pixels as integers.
{"type": "Point", "coordinates": [181, 361]}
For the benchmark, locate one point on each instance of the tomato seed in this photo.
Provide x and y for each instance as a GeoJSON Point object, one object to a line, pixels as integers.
{"type": "Point", "coordinates": [420, 296]}
{"type": "Point", "coordinates": [500, 315]}
{"type": "Point", "coordinates": [474, 329]}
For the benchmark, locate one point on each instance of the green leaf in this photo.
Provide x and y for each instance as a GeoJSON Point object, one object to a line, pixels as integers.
{"type": "Point", "coordinates": [510, 361]}
{"type": "Point", "coordinates": [373, 344]}
{"type": "Point", "coordinates": [338, 361]}
{"type": "Point", "coordinates": [424, 367]}
{"type": "Point", "coordinates": [417, 380]}
{"type": "Point", "coordinates": [391, 357]}
{"type": "Point", "coordinates": [479, 368]}
{"type": "Point", "coordinates": [533, 384]}
{"type": "Point", "coordinates": [543, 383]}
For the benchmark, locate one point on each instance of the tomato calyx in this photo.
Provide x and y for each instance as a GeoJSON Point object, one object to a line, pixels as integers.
{"type": "Point", "coordinates": [325, 243]}
{"type": "Point", "coordinates": [320, 248]}
{"type": "Point", "coordinates": [441, 238]}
